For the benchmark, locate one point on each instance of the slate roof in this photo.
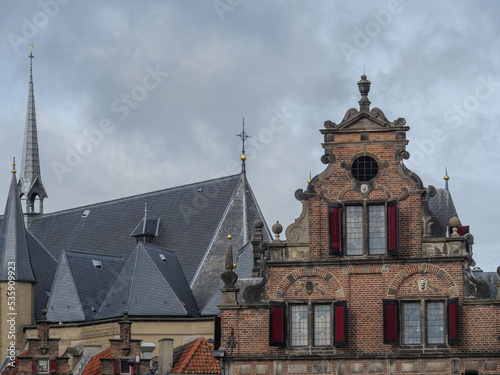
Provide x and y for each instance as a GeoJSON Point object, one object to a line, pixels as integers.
{"type": "Point", "coordinates": [244, 265]}
{"type": "Point", "coordinates": [151, 283]}
{"type": "Point", "coordinates": [442, 205]}
{"type": "Point", "coordinates": [195, 358]}
{"type": "Point", "coordinates": [13, 240]}
{"type": "Point", "coordinates": [81, 284]}
{"type": "Point", "coordinates": [93, 366]}
{"type": "Point", "coordinates": [189, 217]}
{"type": "Point", "coordinates": [44, 267]}
{"type": "Point", "coordinates": [33, 261]}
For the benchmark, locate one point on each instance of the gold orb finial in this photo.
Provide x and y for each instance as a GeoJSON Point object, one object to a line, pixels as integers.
{"type": "Point", "coordinates": [243, 157]}
{"type": "Point", "coordinates": [229, 237]}
{"type": "Point", "coordinates": [309, 181]}
{"type": "Point", "coordinates": [446, 177]}
{"type": "Point", "coordinates": [14, 164]}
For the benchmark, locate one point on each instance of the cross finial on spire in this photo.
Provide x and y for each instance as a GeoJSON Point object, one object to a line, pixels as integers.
{"type": "Point", "coordinates": [446, 178]}
{"type": "Point", "coordinates": [244, 136]}
{"type": "Point", "coordinates": [31, 55]}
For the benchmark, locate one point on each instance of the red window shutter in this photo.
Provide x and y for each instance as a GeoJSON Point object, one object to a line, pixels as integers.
{"type": "Point", "coordinates": [335, 228]}
{"type": "Point", "coordinates": [453, 321]}
{"type": "Point", "coordinates": [53, 365]}
{"type": "Point", "coordinates": [117, 368]}
{"type": "Point", "coordinates": [392, 227]}
{"type": "Point", "coordinates": [135, 369]}
{"type": "Point", "coordinates": [217, 332]}
{"type": "Point", "coordinates": [34, 365]}
{"type": "Point", "coordinates": [340, 319]}
{"type": "Point", "coordinates": [391, 321]}
{"type": "Point", "coordinates": [277, 323]}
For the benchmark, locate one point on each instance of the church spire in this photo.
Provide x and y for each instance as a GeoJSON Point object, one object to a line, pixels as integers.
{"type": "Point", "coordinates": [13, 241]}
{"type": "Point", "coordinates": [30, 181]}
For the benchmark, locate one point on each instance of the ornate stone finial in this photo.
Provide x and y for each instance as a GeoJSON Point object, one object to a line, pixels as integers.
{"type": "Point", "coordinates": [364, 89]}
{"type": "Point", "coordinates": [125, 316]}
{"type": "Point", "coordinates": [229, 255]}
{"type": "Point", "coordinates": [44, 315]}
{"type": "Point", "coordinates": [229, 277]}
{"type": "Point", "coordinates": [277, 229]}
{"type": "Point", "coordinates": [14, 164]}
{"type": "Point", "coordinates": [258, 224]}
{"type": "Point", "coordinates": [454, 223]}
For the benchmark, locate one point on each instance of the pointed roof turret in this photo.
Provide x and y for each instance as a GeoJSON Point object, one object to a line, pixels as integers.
{"type": "Point", "coordinates": [30, 180]}
{"type": "Point", "coordinates": [13, 240]}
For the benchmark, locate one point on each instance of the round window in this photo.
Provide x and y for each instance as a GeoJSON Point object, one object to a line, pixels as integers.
{"type": "Point", "coordinates": [364, 168]}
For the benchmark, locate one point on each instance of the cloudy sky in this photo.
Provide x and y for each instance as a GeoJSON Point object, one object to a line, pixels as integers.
{"type": "Point", "coordinates": [139, 96]}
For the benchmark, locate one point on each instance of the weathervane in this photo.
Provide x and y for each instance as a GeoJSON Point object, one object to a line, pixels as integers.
{"type": "Point", "coordinates": [243, 137]}
{"type": "Point", "coordinates": [31, 55]}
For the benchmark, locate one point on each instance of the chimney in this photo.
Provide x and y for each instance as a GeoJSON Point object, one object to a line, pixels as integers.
{"type": "Point", "coordinates": [147, 350]}
{"type": "Point", "coordinates": [166, 360]}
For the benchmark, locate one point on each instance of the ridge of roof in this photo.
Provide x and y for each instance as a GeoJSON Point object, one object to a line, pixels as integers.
{"type": "Point", "coordinates": [216, 232]}
{"type": "Point", "coordinates": [92, 255]}
{"type": "Point", "coordinates": [135, 196]}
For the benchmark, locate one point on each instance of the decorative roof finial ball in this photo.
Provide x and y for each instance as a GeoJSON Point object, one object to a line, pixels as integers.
{"type": "Point", "coordinates": [258, 224]}
{"type": "Point", "coordinates": [454, 222]}
{"type": "Point", "coordinates": [446, 178]}
{"type": "Point", "coordinates": [277, 228]}
{"type": "Point", "coordinates": [243, 157]}
{"type": "Point", "coordinates": [229, 237]}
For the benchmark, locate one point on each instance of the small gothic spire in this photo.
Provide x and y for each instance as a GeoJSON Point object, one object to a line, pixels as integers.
{"type": "Point", "coordinates": [14, 164]}
{"type": "Point", "coordinates": [364, 89]}
{"type": "Point", "coordinates": [30, 178]}
{"type": "Point", "coordinates": [243, 157]}
{"type": "Point", "coordinates": [446, 178]}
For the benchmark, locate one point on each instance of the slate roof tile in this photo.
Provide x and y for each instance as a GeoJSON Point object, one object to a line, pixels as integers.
{"type": "Point", "coordinates": [151, 283]}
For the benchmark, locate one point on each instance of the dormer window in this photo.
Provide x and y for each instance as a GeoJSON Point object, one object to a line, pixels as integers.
{"type": "Point", "coordinates": [162, 257]}
{"type": "Point", "coordinates": [97, 263]}
{"type": "Point", "coordinates": [86, 213]}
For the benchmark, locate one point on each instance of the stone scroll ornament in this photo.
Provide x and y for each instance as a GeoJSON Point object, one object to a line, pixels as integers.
{"type": "Point", "coordinates": [258, 292]}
